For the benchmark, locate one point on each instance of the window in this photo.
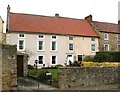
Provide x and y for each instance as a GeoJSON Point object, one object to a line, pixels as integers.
{"type": "Point", "coordinates": [53, 59]}
{"type": "Point", "coordinates": [119, 37]}
{"type": "Point", "coordinates": [40, 45]}
{"type": "Point", "coordinates": [118, 47]}
{"type": "Point", "coordinates": [40, 36]}
{"type": "Point", "coordinates": [54, 37]}
{"type": "Point", "coordinates": [105, 36]}
{"type": "Point", "coordinates": [93, 47]}
{"type": "Point", "coordinates": [106, 47]}
{"type": "Point", "coordinates": [40, 59]}
{"type": "Point", "coordinates": [92, 39]}
{"type": "Point", "coordinates": [21, 45]}
{"type": "Point", "coordinates": [21, 35]}
{"type": "Point", "coordinates": [79, 57]}
{"type": "Point", "coordinates": [70, 46]}
{"type": "Point", "coordinates": [54, 45]}
{"type": "Point", "coordinates": [71, 38]}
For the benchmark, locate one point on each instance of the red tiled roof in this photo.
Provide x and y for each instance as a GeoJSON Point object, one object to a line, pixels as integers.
{"type": "Point", "coordinates": [106, 27]}
{"type": "Point", "coordinates": [47, 24]}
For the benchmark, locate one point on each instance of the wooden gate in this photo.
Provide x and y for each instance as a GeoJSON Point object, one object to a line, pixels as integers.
{"type": "Point", "coordinates": [20, 65]}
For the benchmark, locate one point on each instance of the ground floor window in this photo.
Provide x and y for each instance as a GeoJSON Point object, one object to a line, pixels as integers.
{"type": "Point", "coordinates": [79, 57]}
{"type": "Point", "coordinates": [40, 59]}
{"type": "Point", "coordinates": [54, 59]}
{"type": "Point", "coordinates": [106, 47]}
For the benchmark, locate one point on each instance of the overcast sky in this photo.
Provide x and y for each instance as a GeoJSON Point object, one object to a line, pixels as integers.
{"type": "Point", "coordinates": [101, 10]}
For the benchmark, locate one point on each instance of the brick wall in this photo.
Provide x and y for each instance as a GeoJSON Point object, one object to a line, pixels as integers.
{"type": "Point", "coordinates": [87, 77]}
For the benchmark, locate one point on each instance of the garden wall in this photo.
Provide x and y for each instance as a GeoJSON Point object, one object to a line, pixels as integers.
{"type": "Point", "coordinates": [9, 67]}
{"type": "Point", "coordinates": [87, 77]}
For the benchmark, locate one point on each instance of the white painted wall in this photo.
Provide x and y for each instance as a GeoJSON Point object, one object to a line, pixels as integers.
{"type": "Point", "coordinates": [82, 46]}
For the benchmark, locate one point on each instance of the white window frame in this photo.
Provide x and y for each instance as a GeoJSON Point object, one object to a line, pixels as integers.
{"type": "Point", "coordinates": [19, 44]}
{"type": "Point", "coordinates": [51, 60]}
{"type": "Point", "coordinates": [104, 47]}
{"type": "Point", "coordinates": [91, 47]}
{"type": "Point", "coordinates": [69, 46]}
{"type": "Point", "coordinates": [51, 46]}
{"type": "Point", "coordinates": [38, 45]}
{"type": "Point", "coordinates": [41, 35]}
{"type": "Point", "coordinates": [107, 36]}
{"type": "Point", "coordinates": [21, 34]}
{"type": "Point", "coordinates": [43, 59]}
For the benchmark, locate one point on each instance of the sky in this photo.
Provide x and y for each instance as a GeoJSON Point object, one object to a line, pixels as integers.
{"type": "Point", "coordinates": [101, 10]}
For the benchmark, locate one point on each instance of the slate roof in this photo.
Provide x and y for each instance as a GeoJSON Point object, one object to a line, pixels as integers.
{"type": "Point", "coordinates": [106, 27]}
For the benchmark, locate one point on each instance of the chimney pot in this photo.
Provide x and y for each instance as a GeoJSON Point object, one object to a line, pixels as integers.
{"type": "Point", "coordinates": [57, 15]}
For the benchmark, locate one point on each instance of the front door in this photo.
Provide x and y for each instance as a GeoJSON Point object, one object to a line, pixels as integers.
{"type": "Point", "coordinates": [69, 59]}
{"type": "Point", "coordinates": [20, 65]}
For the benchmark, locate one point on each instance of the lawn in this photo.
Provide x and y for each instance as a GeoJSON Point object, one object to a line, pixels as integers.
{"type": "Point", "coordinates": [54, 72]}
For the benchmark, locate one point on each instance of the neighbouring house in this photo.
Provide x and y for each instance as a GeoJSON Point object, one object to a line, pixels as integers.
{"type": "Point", "coordinates": [1, 29]}
{"type": "Point", "coordinates": [108, 33]}
{"type": "Point", "coordinates": [51, 40]}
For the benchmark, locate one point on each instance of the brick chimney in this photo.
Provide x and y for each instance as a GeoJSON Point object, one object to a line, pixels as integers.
{"type": "Point", "coordinates": [56, 15]}
{"type": "Point", "coordinates": [89, 18]}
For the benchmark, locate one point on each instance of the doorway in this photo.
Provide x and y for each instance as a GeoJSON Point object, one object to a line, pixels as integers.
{"type": "Point", "coordinates": [69, 59]}
{"type": "Point", "coordinates": [20, 65]}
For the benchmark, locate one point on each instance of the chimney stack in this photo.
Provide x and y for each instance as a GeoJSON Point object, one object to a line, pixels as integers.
{"type": "Point", "coordinates": [89, 18]}
{"type": "Point", "coordinates": [8, 9]}
{"type": "Point", "coordinates": [57, 15]}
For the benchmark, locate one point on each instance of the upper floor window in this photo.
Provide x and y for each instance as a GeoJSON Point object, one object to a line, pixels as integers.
{"type": "Point", "coordinates": [71, 38]}
{"type": "Point", "coordinates": [40, 36]}
{"type": "Point", "coordinates": [92, 47]}
{"type": "Point", "coordinates": [21, 45]}
{"type": "Point", "coordinates": [106, 47]}
{"type": "Point", "coordinates": [54, 37]}
{"type": "Point", "coordinates": [70, 46]}
{"type": "Point", "coordinates": [21, 35]}
{"type": "Point", "coordinates": [54, 46]}
{"type": "Point", "coordinates": [92, 39]}
{"type": "Point", "coordinates": [106, 36]}
{"type": "Point", "coordinates": [40, 45]}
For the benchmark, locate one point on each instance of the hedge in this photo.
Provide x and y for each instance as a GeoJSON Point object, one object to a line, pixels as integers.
{"type": "Point", "coordinates": [107, 56]}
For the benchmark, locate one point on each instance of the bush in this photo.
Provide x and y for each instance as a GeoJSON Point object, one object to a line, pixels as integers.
{"type": "Point", "coordinates": [43, 77]}
{"type": "Point", "coordinates": [88, 58]}
{"type": "Point", "coordinates": [107, 57]}
{"type": "Point", "coordinates": [30, 67]}
{"type": "Point", "coordinates": [58, 66]}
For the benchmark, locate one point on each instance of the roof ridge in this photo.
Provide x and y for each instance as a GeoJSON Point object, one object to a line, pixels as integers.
{"type": "Point", "coordinates": [105, 22]}
{"type": "Point", "coordinates": [46, 16]}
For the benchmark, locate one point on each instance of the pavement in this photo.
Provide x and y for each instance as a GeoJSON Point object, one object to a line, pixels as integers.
{"type": "Point", "coordinates": [28, 84]}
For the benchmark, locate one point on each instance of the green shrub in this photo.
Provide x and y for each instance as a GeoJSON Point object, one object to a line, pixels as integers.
{"type": "Point", "coordinates": [43, 77]}
{"type": "Point", "coordinates": [30, 67]}
{"type": "Point", "coordinates": [88, 58]}
{"type": "Point", "coordinates": [58, 66]}
{"type": "Point", "coordinates": [107, 57]}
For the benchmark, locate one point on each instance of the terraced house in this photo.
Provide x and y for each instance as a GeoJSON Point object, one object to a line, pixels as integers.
{"type": "Point", "coordinates": [108, 33]}
{"type": "Point", "coordinates": [1, 29]}
{"type": "Point", "coordinates": [51, 39]}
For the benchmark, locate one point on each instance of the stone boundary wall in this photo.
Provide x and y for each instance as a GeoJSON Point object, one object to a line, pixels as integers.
{"type": "Point", "coordinates": [9, 67]}
{"type": "Point", "coordinates": [87, 77]}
